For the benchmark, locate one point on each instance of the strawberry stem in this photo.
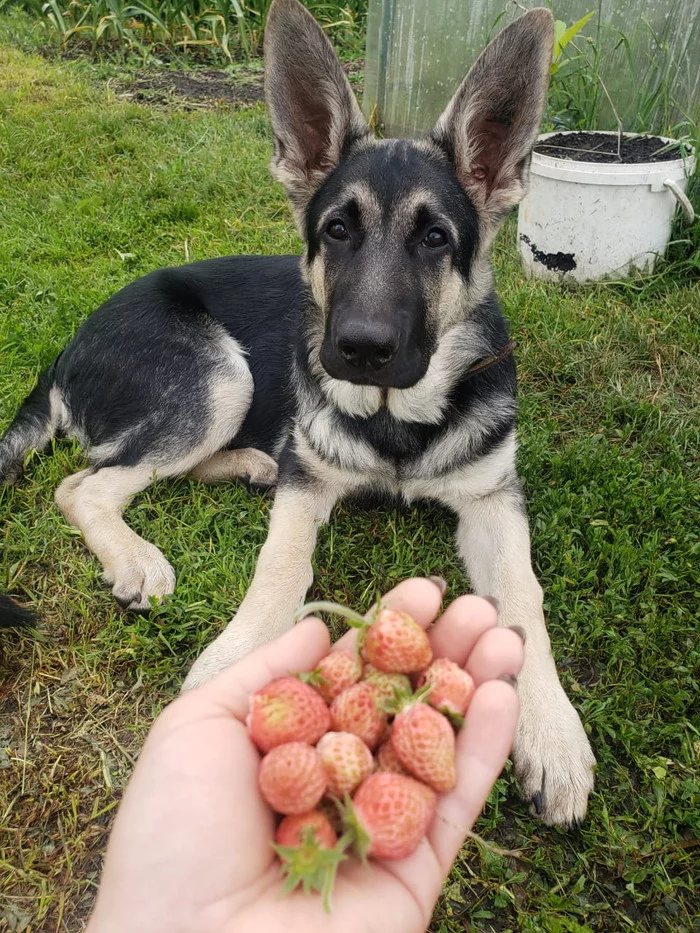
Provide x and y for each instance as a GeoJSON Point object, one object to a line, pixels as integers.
{"type": "Point", "coordinates": [354, 619]}
{"type": "Point", "coordinates": [354, 834]}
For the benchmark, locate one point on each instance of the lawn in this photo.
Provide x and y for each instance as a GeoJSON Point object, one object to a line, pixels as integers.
{"type": "Point", "coordinates": [96, 189]}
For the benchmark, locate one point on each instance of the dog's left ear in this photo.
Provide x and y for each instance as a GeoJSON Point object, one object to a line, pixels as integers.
{"type": "Point", "coordinates": [490, 126]}
{"type": "Point", "coordinates": [312, 108]}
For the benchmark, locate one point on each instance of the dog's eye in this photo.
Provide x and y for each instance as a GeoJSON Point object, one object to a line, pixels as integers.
{"type": "Point", "coordinates": [337, 231]}
{"type": "Point", "coordinates": [434, 238]}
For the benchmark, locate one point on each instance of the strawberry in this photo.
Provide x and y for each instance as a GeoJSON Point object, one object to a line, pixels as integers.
{"type": "Point", "coordinates": [389, 815]}
{"type": "Point", "coordinates": [292, 778]}
{"type": "Point", "coordinates": [347, 761]}
{"type": "Point", "coordinates": [386, 759]}
{"type": "Point", "coordinates": [310, 854]}
{"type": "Point", "coordinates": [424, 742]}
{"type": "Point", "coordinates": [335, 672]}
{"type": "Point", "coordinates": [293, 829]}
{"type": "Point", "coordinates": [451, 688]}
{"type": "Point", "coordinates": [395, 643]}
{"type": "Point", "coordinates": [389, 685]}
{"type": "Point", "coordinates": [286, 710]}
{"type": "Point", "coordinates": [355, 710]}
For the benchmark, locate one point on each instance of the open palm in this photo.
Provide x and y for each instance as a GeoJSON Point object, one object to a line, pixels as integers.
{"type": "Point", "coordinates": [190, 849]}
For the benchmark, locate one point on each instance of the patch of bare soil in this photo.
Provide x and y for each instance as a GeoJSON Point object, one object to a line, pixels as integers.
{"type": "Point", "coordinates": [191, 90]}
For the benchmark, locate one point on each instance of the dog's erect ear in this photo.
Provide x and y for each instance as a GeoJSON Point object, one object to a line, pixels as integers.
{"type": "Point", "coordinates": [490, 126]}
{"type": "Point", "coordinates": [312, 109]}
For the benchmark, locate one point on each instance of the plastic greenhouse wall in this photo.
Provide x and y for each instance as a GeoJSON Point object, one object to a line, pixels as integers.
{"type": "Point", "coordinates": [419, 50]}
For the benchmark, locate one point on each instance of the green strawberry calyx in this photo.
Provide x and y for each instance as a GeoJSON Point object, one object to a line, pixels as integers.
{"type": "Point", "coordinates": [311, 865]}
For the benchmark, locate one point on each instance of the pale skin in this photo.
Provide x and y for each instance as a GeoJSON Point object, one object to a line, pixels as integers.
{"type": "Point", "coordinates": [190, 848]}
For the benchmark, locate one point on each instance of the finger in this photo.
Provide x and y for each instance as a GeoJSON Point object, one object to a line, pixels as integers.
{"type": "Point", "coordinates": [419, 597]}
{"type": "Point", "coordinates": [299, 649]}
{"type": "Point", "coordinates": [483, 745]}
{"type": "Point", "coordinates": [460, 627]}
{"type": "Point", "coordinates": [498, 651]}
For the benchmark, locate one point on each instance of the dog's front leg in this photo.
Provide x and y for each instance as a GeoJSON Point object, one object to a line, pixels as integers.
{"type": "Point", "coordinates": [552, 756]}
{"type": "Point", "coordinates": [283, 574]}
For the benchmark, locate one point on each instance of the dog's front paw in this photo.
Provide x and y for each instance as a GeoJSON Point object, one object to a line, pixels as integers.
{"type": "Point", "coordinates": [553, 760]}
{"type": "Point", "coordinates": [141, 573]}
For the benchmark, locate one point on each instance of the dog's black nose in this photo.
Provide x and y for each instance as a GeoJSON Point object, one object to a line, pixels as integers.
{"type": "Point", "coordinates": [366, 348]}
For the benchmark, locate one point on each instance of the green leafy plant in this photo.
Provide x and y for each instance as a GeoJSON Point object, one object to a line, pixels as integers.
{"type": "Point", "coordinates": [563, 35]}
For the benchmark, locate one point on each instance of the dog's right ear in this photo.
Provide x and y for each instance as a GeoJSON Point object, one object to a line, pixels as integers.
{"type": "Point", "coordinates": [312, 108]}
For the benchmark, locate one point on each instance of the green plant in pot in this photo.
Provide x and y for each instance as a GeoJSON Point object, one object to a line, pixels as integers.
{"type": "Point", "coordinates": [601, 203]}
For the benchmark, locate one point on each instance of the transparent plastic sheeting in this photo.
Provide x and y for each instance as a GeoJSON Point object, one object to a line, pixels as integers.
{"type": "Point", "coordinates": [419, 50]}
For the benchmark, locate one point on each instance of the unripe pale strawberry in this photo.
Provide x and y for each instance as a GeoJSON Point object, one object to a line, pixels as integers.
{"type": "Point", "coordinates": [387, 760]}
{"type": "Point", "coordinates": [451, 688]}
{"type": "Point", "coordinates": [356, 710]}
{"type": "Point", "coordinates": [337, 671]}
{"type": "Point", "coordinates": [389, 685]}
{"type": "Point", "coordinates": [395, 643]}
{"type": "Point", "coordinates": [389, 815]}
{"type": "Point", "coordinates": [347, 761]}
{"type": "Point", "coordinates": [286, 710]}
{"type": "Point", "coordinates": [424, 742]}
{"type": "Point", "coordinates": [310, 854]}
{"type": "Point", "coordinates": [292, 778]}
{"type": "Point", "coordinates": [293, 829]}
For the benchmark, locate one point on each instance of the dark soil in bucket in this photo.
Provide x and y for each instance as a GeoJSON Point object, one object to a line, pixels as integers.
{"type": "Point", "coordinates": [602, 147]}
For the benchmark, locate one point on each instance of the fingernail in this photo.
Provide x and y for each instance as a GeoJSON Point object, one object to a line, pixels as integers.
{"type": "Point", "coordinates": [519, 630]}
{"type": "Point", "coordinates": [509, 679]}
{"type": "Point", "coordinates": [440, 584]}
{"type": "Point", "coordinates": [494, 602]}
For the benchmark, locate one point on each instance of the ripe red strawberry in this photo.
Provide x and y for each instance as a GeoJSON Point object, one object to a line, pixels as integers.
{"type": "Point", "coordinates": [337, 671]}
{"type": "Point", "coordinates": [286, 710]}
{"type": "Point", "coordinates": [395, 642]}
{"type": "Point", "coordinates": [451, 688]}
{"type": "Point", "coordinates": [355, 710]}
{"type": "Point", "coordinates": [347, 761]}
{"type": "Point", "coordinates": [292, 778]}
{"type": "Point", "coordinates": [387, 760]}
{"type": "Point", "coordinates": [389, 685]}
{"type": "Point", "coordinates": [424, 742]}
{"type": "Point", "coordinates": [293, 829]}
{"type": "Point", "coordinates": [389, 815]}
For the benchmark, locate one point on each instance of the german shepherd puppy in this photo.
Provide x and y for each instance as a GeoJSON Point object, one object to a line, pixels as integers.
{"type": "Point", "coordinates": [378, 361]}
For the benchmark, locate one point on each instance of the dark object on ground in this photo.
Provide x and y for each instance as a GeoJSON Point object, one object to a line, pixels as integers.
{"type": "Point", "coordinates": [12, 615]}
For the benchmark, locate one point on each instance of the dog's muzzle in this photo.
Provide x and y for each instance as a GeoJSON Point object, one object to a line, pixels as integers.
{"type": "Point", "coordinates": [371, 353]}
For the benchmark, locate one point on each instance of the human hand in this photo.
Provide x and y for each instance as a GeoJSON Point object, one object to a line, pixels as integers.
{"type": "Point", "coordinates": [190, 849]}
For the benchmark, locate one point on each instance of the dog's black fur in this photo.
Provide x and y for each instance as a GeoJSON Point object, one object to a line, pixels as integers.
{"type": "Point", "coordinates": [12, 615]}
{"type": "Point", "coordinates": [355, 368]}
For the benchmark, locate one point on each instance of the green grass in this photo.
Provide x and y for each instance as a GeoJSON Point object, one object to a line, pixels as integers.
{"type": "Point", "coordinates": [95, 191]}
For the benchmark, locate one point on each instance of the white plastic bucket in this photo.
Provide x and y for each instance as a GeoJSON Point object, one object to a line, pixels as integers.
{"type": "Point", "coordinates": [585, 221]}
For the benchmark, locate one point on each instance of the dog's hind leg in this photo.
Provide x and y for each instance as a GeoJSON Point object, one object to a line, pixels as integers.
{"type": "Point", "coordinates": [181, 424]}
{"type": "Point", "coordinates": [93, 501]}
{"type": "Point", "coordinates": [253, 465]}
